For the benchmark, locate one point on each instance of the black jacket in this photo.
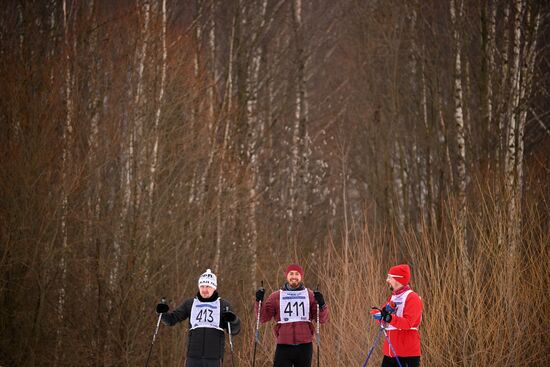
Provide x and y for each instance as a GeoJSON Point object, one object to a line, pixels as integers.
{"type": "Point", "coordinates": [202, 342]}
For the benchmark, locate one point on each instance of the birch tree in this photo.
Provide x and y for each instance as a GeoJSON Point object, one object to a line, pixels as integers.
{"type": "Point", "coordinates": [457, 13]}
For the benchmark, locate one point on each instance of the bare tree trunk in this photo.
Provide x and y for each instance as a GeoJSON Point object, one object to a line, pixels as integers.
{"type": "Point", "coordinates": [430, 186]}
{"type": "Point", "coordinates": [154, 158]}
{"type": "Point", "coordinates": [504, 90]}
{"type": "Point", "coordinates": [511, 133]}
{"type": "Point", "coordinates": [456, 13]}
{"type": "Point", "coordinates": [300, 116]}
{"type": "Point", "coordinates": [140, 100]}
{"type": "Point", "coordinates": [488, 31]}
{"type": "Point", "coordinates": [255, 126]}
{"type": "Point", "coordinates": [197, 178]}
{"type": "Point", "coordinates": [227, 108]}
{"type": "Point", "coordinates": [65, 163]}
{"type": "Point", "coordinates": [527, 75]}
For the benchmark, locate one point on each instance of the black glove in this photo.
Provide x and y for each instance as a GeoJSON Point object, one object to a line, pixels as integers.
{"type": "Point", "coordinates": [319, 298]}
{"type": "Point", "coordinates": [260, 293]}
{"type": "Point", "coordinates": [228, 316]}
{"type": "Point", "coordinates": [385, 315]}
{"type": "Point", "coordinates": [162, 307]}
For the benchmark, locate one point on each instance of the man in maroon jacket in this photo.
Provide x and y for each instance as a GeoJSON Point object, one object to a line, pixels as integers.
{"type": "Point", "coordinates": [294, 308]}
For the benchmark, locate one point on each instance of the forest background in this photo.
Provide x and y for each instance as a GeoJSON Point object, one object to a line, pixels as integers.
{"type": "Point", "coordinates": [142, 142]}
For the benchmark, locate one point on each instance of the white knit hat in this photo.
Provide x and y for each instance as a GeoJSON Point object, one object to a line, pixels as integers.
{"type": "Point", "coordinates": [209, 279]}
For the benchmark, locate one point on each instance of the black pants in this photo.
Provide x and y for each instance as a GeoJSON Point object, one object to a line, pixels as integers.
{"type": "Point", "coordinates": [202, 362]}
{"type": "Point", "coordinates": [293, 355]}
{"type": "Point", "coordinates": [405, 362]}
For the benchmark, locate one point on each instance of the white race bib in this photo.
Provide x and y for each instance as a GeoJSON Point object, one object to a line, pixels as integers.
{"type": "Point", "coordinates": [293, 306]}
{"type": "Point", "coordinates": [205, 314]}
{"type": "Point", "coordinates": [399, 301]}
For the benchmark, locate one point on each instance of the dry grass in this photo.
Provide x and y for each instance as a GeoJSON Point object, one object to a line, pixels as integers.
{"type": "Point", "coordinates": [497, 317]}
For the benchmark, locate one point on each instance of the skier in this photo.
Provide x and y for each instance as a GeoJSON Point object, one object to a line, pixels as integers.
{"type": "Point", "coordinates": [294, 309]}
{"type": "Point", "coordinates": [401, 317]}
{"type": "Point", "coordinates": [208, 316]}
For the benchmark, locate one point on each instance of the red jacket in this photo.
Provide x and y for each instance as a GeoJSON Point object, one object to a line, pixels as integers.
{"type": "Point", "coordinates": [295, 332]}
{"type": "Point", "coordinates": [403, 328]}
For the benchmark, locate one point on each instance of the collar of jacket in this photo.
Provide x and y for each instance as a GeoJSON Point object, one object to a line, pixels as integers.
{"type": "Point", "coordinates": [402, 289]}
{"type": "Point", "coordinates": [212, 298]}
{"type": "Point", "coordinates": [287, 287]}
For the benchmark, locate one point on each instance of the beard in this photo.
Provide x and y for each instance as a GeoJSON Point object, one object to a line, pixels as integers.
{"type": "Point", "coordinates": [294, 283]}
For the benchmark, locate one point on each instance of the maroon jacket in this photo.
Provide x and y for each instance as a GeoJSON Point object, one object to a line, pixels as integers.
{"type": "Point", "coordinates": [295, 332]}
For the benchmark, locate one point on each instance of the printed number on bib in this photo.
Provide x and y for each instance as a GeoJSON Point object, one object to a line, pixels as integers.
{"type": "Point", "coordinates": [205, 315]}
{"type": "Point", "coordinates": [295, 309]}
{"type": "Point", "coordinates": [294, 306]}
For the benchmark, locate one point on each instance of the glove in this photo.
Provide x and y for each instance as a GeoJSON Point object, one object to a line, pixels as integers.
{"type": "Point", "coordinates": [390, 308]}
{"type": "Point", "coordinates": [228, 316]}
{"type": "Point", "coordinates": [381, 315]}
{"type": "Point", "coordinates": [385, 315]}
{"type": "Point", "coordinates": [319, 298]}
{"type": "Point", "coordinates": [260, 293]}
{"type": "Point", "coordinates": [162, 307]}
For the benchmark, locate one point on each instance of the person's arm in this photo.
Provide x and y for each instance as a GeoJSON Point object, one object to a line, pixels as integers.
{"type": "Point", "coordinates": [315, 298]}
{"type": "Point", "coordinates": [181, 313]}
{"type": "Point", "coordinates": [269, 307]}
{"type": "Point", "coordinates": [228, 316]}
{"type": "Point", "coordinates": [412, 314]}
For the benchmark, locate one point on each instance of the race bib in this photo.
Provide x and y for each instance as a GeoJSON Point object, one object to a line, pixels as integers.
{"type": "Point", "coordinates": [294, 306]}
{"type": "Point", "coordinates": [205, 314]}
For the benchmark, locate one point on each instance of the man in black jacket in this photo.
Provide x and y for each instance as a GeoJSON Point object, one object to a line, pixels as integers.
{"type": "Point", "coordinates": [208, 316]}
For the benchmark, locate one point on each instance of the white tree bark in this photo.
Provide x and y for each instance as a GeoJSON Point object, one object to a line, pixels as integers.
{"type": "Point", "coordinates": [160, 101]}
{"type": "Point", "coordinates": [527, 74]}
{"type": "Point", "coordinates": [299, 137]}
{"type": "Point", "coordinates": [511, 132]}
{"type": "Point", "coordinates": [456, 13]}
{"type": "Point", "coordinates": [255, 126]}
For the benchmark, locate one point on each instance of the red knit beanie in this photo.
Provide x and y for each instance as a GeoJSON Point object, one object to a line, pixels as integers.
{"type": "Point", "coordinates": [401, 273]}
{"type": "Point", "coordinates": [294, 267]}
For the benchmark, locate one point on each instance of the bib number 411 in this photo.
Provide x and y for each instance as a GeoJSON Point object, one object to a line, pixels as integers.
{"type": "Point", "coordinates": [292, 309]}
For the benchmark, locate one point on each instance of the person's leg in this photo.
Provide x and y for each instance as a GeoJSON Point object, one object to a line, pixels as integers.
{"type": "Point", "coordinates": [410, 361]}
{"type": "Point", "coordinates": [405, 362]}
{"type": "Point", "coordinates": [212, 363]}
{"type": "Point", "coordinates": [283, 356]}
{"type": "Point", "coordinates": [193, 362]}
{"type": "Point", "coordinates": [303, 355]}
{"type": "Point", "coordinates": [389, 362]}
{"type": "Point", "coordinates": [200, 362]}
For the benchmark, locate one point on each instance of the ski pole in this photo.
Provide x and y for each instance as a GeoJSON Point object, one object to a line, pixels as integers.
{"type": "Point", "coordinates": [230, 339]}
{"type": "Point", "coordinates": [163, 301]}
{"type": "Point", "coordinates": [257, 336]}
{"type": "Point", "coordinates": [372, 348]}
{"type": "Point", "coordinates": [318, 335]}
{"type": "Point", "coordinates": [389, 342]}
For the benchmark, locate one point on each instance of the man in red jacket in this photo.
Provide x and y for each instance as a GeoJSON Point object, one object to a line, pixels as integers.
{"type": "Point", "coordinates": [401, 317]}
{"type": "Point", "coordinates": [294, 308]}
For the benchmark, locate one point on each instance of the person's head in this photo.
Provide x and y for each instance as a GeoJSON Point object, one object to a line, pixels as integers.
{"type": "Point", "coordinates": [208, 282]}
{"type": "Point", "coordinates": [398, 276]}
{"type": "Point", "coordinates": [294, 275]}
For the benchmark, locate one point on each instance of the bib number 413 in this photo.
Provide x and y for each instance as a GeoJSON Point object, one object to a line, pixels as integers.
{"type": "Point", "coordinates": [205, 316]}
